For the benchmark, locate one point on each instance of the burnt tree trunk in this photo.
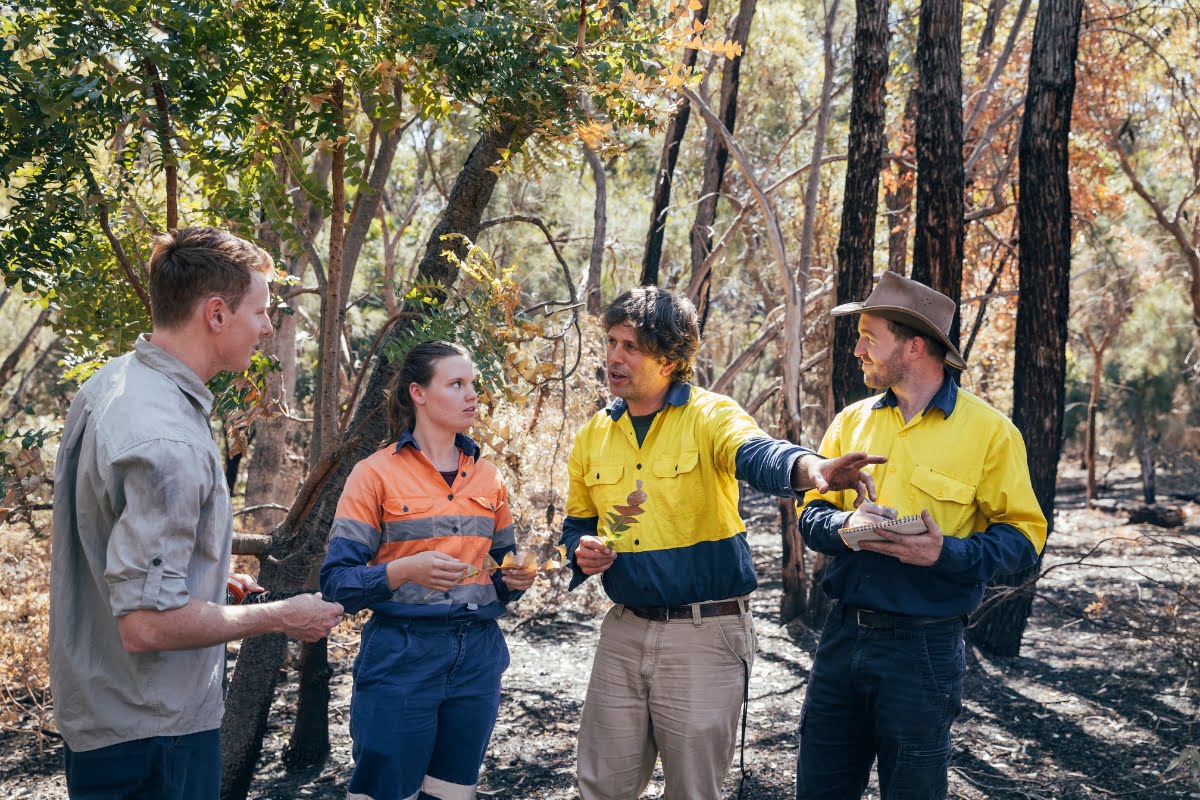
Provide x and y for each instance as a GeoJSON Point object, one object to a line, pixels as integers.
{"type": "Point", "coordinates": [1145, 451]}
{"type": "Point", "coordinates": [664, 178]}
{"type": "Point", "coordinates": [299, 544]}
{"type": "Point", "coordinates": [898, 196]}
{"type": "Point", "coordinates": [938, 238]}
{"type": "Point", "coordinates": [856, 238]}
{"type": "Point", "coordinates": [795, 603]}
{"type": "Point", "coordinates": [716, 156]}
{"type": "Point", "coordinates": [1093, 408]}
{"type": "Point", "coordinates": [1044, 213]}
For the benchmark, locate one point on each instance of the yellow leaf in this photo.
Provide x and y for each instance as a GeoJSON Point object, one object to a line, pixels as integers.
{"type": "Point", "coordinates": [562, 551]}
{"type": "Point", "coordinates": [549, 565]}
{"type": "Point", "coordinates": [529, 560]}
{"type": "Point", "coordinates": [694, 5]}
{"type": "Point", "coordinates": [489, 563]}
{"type": "Point", "coordinates": [509, 562]}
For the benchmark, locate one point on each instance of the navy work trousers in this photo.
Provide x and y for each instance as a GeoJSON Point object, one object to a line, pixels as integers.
{"type": "Point", "coordinates": [423, 707]}
{"type": "Point", "coordinates": [160, 767]}
{"type": "Point", "coordinates": [880, 693]}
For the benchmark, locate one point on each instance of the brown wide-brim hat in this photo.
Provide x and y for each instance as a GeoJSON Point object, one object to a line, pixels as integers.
{"type": "Point", "coordinates": [913, 304]}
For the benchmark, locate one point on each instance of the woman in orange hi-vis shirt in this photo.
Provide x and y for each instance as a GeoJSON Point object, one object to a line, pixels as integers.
{"type": "Point", "coordinates": [412, 518]}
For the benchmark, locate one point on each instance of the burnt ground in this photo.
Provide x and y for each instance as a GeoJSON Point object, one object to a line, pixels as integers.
{"type": "Point", "coordinates": [1103, 701]}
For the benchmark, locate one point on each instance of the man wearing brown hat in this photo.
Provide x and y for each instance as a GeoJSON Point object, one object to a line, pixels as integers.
{"type": "Point", "coordinates": [887, 678]}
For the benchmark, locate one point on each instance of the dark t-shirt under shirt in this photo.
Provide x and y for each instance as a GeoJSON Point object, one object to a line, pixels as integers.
{"type": "Point", "coordinates": [641, 426]}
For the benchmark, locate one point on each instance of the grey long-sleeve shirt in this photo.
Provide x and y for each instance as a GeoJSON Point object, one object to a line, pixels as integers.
{"type": "Point", "coordinates": [142, 520]}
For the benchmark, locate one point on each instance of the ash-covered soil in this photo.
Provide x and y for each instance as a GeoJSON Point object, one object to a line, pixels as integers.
{"type": "Point", "coordinates": [1103, 701]}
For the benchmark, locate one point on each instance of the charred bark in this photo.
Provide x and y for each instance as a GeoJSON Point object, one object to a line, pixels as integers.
{"type": "Point", "coordinates": [664, 178]}
{"type": "Point", "coordinates": [1042, 304]}
{"type": "Point", "coordinates": [898, 196]}
{"type": "Point", "coordinates": [856, 238]}
{"type": "Point", "coordinates": [938, 239]}
{"type": "Point", "coordinates": [716, 157]}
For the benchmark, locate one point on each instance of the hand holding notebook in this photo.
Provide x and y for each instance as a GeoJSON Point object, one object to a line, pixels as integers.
{"type": "Point", "coordinates": [906, 526]}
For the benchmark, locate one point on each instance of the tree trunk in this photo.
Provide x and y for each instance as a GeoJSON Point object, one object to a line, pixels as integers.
{"type": "Point", "coordinates": [938, 239]}
{"type": "Point", "coordinates": [1089, 442]}
{"type": "Point", "coordinates": [1145, 452]}
{"type": "Point", "coordinates": [299, 543]}
{"type": "Point", "coordinates": [329, 338]}
{"type": "Point", "coordinates": [795, 583]}
{"type": "Point", "coordinates": [856, 238]}
{"type": "Point", "coordinates": [18, 397]}
{"type": "Point", "coordinates": [819, 603]}
{"type": "Point", "coordinates": [9, 367]}
{"type": "Point", "coordinates": [793, 604]}
{"type": "Point", "coordinates": [271, 477]}
{"type": "Point", "coordinates": [308, 746]}
{"type": "Point", "coordinates": [1044, 213]}
{"type": "Point", "coordinates": [676, 127]}
{"type": "Point", "coordinates": [591, 285]}
{"type": "Point", "coordinates": [898, 197]}
{"type": "Point", "coordinates": [716, 156]}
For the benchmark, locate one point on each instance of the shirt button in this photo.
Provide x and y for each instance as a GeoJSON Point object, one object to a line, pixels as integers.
{"type": "Point", "coordinates": [464, 474]}
{"type": "Point", "coordinates": [903, 434]}
{"type": "Point", "coordinates": [597, 476]}
{"type": "Point", "coordinates": [941, 494]}
{"type": "Point", "coordinates": [637, 541]}
{"type": "Point", "coordinates": [639, 466]}
{"type": "Point", "coordinates": [892, 468]}
{"type": "Point", "coordinates": [156, 562]}
{"type": "Point", "coordinates": [406, 508]}
{"type": "Point", "coordinates": [449, 497]}
{"type": "Point", "coordinates": [455, 529]}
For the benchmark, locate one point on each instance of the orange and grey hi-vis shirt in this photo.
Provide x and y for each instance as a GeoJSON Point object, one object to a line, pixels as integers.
{"type": "Point", "coordinates": [397, 504]}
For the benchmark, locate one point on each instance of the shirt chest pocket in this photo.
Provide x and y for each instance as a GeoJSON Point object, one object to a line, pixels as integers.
{"type": "Point", "coordinates": [951, 500]}
{"type": "Point", "coordinates": [605, 486]}
{"type": "Point", "coordinates": [407, 518]}
{"type": "Point", "coordinates": [678, 491]}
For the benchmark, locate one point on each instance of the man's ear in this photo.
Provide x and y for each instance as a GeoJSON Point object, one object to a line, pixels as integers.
{"type": "Point", "coordinates": [214, 312]}
{"type": "Point", "coordinates": [918, 347]}
{"type": "Point", "coordinates": [667, 368]}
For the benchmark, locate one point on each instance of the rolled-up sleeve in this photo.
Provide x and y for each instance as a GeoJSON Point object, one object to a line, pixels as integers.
{"type": "Point", "coordinates": [159, 489]}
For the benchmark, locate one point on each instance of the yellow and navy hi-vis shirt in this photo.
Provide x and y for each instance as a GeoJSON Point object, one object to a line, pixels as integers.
{"type": "Point", "coordinates": [690, 544]}
{"type": "Point", "coordinates": [962, 460]}
{"type": "Point", "coordinates": [397, 504]}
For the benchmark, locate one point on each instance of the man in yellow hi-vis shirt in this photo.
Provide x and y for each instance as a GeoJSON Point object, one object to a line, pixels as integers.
{"type": "Point", "coordinates": [887, 678]}
{"type": "Point", "coordinates": [671, 669]}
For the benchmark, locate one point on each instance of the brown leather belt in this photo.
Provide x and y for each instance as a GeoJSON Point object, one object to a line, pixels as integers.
{"type": "Point", "coordinates": [662, 613]}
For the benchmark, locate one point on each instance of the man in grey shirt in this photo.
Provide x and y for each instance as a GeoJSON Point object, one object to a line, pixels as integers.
{"type": "Point", "coordinates": [142, 535]}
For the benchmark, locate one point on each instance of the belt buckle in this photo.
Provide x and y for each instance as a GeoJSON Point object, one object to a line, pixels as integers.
{"type": "Point", "coordinates": [863, 616]}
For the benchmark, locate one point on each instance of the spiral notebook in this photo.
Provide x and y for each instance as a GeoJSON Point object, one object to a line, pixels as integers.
{"type": "Point", "coordinates": [907, 526]}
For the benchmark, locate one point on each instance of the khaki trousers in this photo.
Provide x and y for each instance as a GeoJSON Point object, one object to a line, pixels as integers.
{"type": "Point", "coordinates": [672, 689]}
